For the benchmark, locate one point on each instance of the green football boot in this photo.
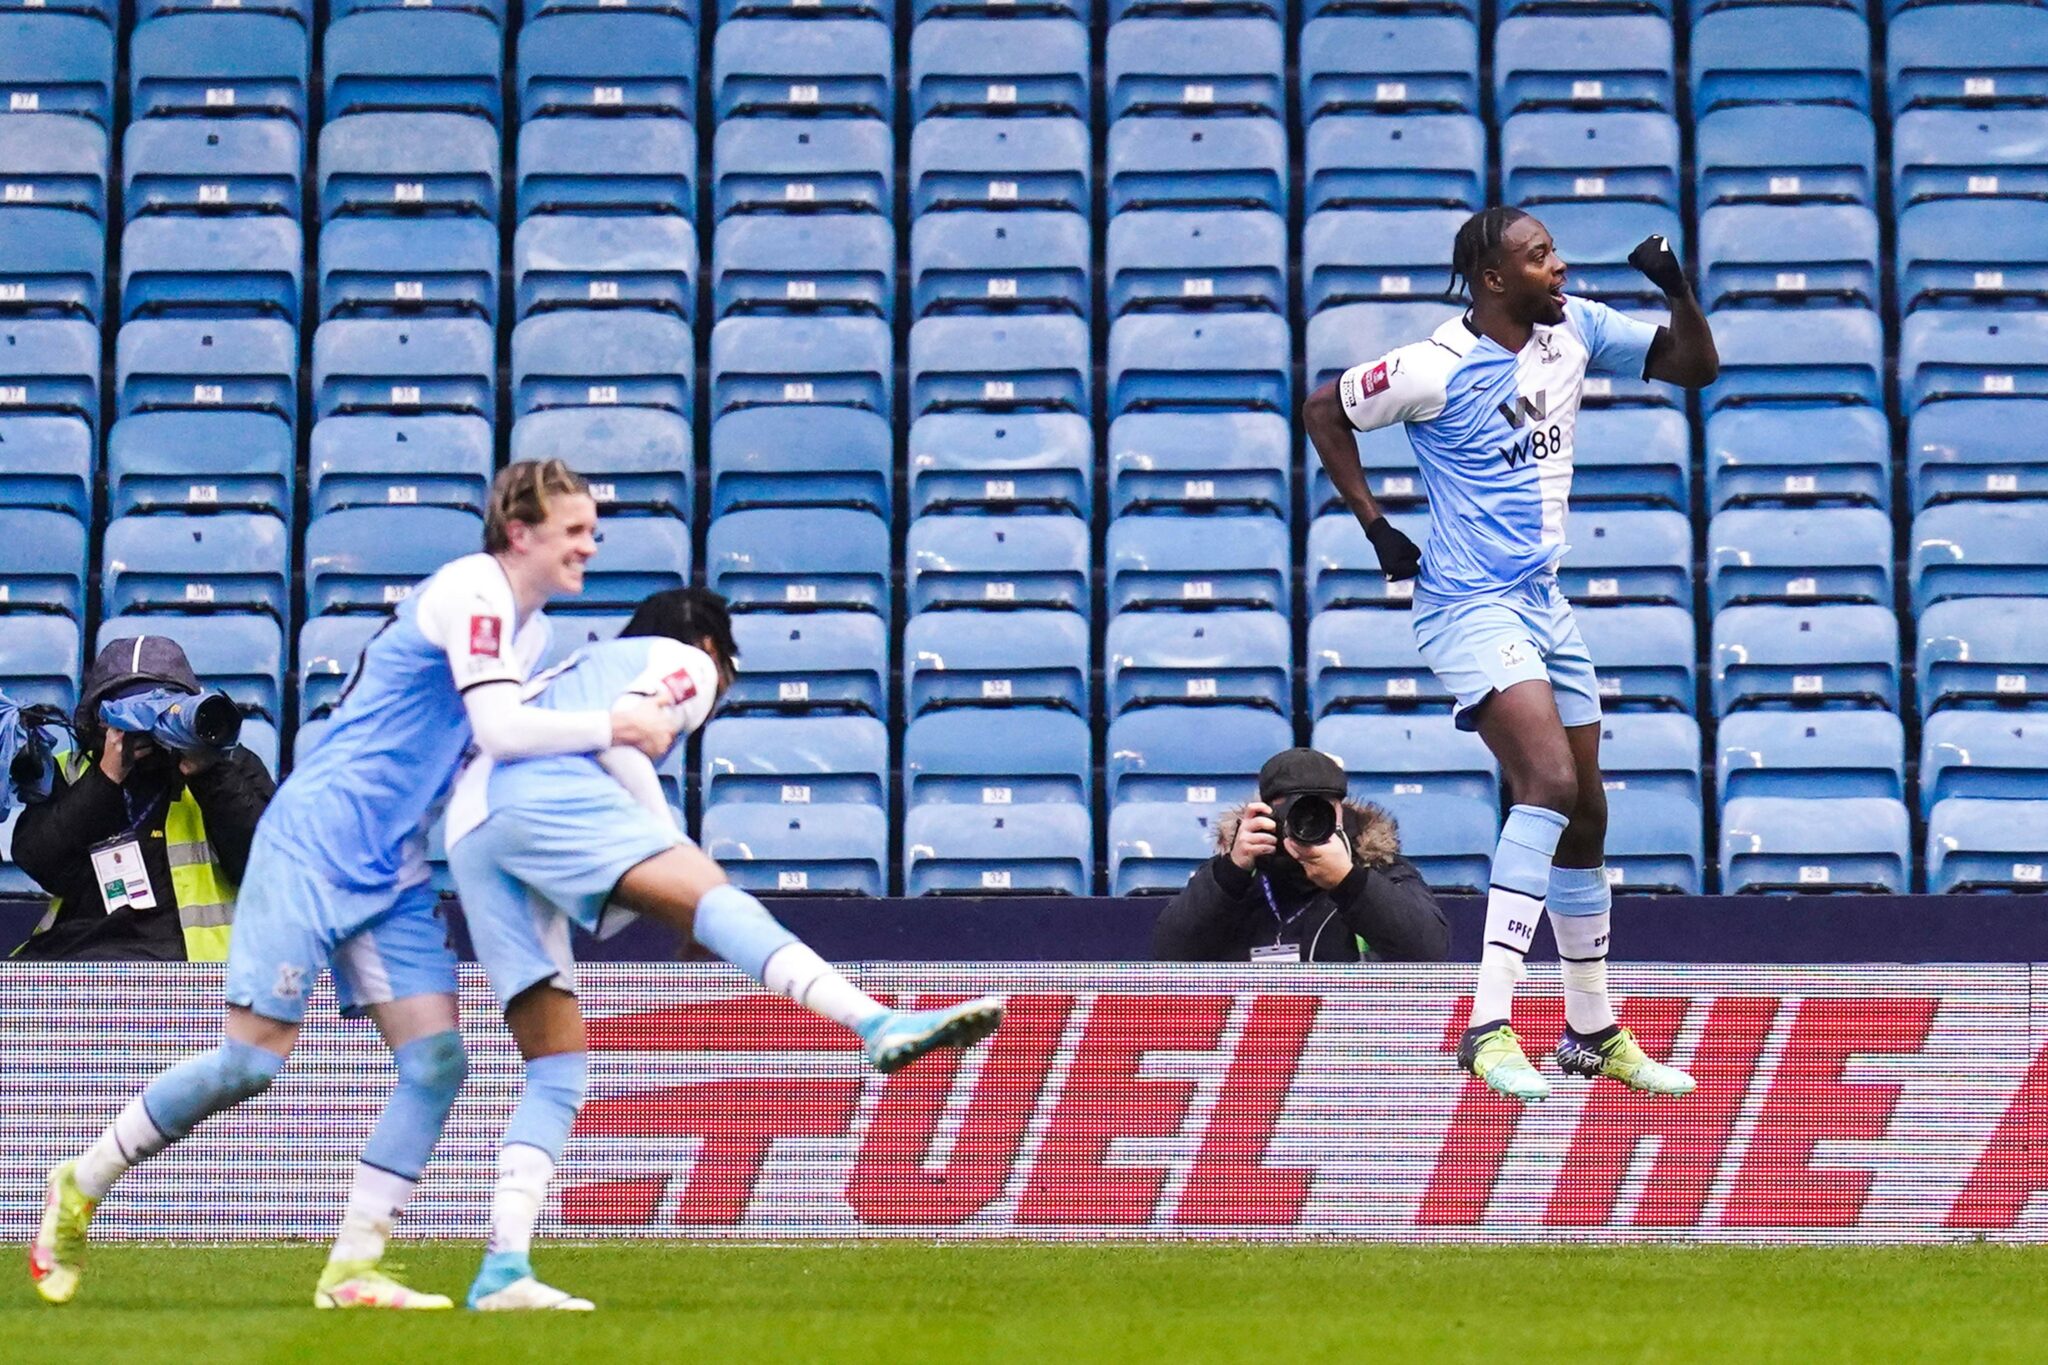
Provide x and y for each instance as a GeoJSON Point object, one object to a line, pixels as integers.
{"type": "Point", "coordinates": [1615, 1053]}
{"type": "Point", "coordinates": [1493, 1053]}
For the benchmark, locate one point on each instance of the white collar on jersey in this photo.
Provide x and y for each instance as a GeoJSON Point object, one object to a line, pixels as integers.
{"type": "Point", "coordinates": [1458, 337]}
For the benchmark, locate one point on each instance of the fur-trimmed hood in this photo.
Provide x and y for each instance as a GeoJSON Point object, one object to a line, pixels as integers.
{"type": "Point", "coordinates": [1375, 835]}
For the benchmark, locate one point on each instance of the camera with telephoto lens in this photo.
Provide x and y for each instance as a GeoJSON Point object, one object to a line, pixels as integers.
{"type": "Point", "coordinates": [203, 722]}
{"type": "Point", "coordinates": [1307, 819]}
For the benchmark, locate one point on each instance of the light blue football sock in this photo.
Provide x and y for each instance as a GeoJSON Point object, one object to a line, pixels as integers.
{"type": "Point", "coordinates": [1580, 905]}
{"type": "Point", "coordinates": [199, 1087]}
{"type": "Point", "coordinates": [548, 1104]}
{"type": "Point", "coordinates": [430, 1072]}
{"type": "Point", "coordinates": [739, 929]}
{"type": "Point", "coordinates": [1514, 906]}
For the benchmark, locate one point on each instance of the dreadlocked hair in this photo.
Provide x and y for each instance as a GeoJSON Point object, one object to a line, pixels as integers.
{"type": "Point", "coordinates": [522, 492]}
{"type": "Point", "coordinates": [688, 615]}
{"type": "Point", "coordinates": [1478, 244]}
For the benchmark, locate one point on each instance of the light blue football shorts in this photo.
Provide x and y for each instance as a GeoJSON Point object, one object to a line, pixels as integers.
{"type": "Point", "coordinates": [1483, 645]}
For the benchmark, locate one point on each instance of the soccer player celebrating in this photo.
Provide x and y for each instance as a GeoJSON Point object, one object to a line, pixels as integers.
{"type": "Point", "coordinates": [1490, 400]}
{"type": "Point", "coordinates": [338, 878]}
{"type": "Point", "coordinates": [539, 845]}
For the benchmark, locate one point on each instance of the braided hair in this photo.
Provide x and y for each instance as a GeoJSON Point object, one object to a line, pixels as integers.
{"type": "Point", "coordinates": [1478, 244]}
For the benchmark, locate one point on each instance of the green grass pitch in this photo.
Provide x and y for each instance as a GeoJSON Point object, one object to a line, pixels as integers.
{"type": "Point", "coordinates": [908, 1302]}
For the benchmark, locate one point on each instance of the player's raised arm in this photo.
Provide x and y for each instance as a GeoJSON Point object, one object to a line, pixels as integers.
{"type": "Point", "coordinates": [1683, 353]}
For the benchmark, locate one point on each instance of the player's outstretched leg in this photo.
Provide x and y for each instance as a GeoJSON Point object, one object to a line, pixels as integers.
{"type": "Point", "coordinates": [1490, 1049]}
{"type": "Point", "coordinates": [527, 1157]}
{"type": "Point", "coordinates": [1594, 1043]}
{"type": "Point", "coordinates": [171, 1106]}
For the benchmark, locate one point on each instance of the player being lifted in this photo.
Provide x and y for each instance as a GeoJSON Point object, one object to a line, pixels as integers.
{"type": "Point", "coordinates": [1490, 400]}
{"type": "Point", "coordinates": [338, 878]}
{"type": "Point", "coordinates": [542, 844]}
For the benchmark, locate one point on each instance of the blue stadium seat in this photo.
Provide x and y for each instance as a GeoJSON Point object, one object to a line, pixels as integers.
{"type": "Point", "coordinates": [607, 165]}
{"type": "Point", "coordinates": [1835, 554]}
{"type": "Point", "coordinates": [1788, 254]}
{"type": "Point", "coordinates": [1339, 338]}
{"type": "Point", "coordinates": [1046, 848]}
{"type": "Point", "coordinates": [1965, 54]}
{"type": "Point", "coordinates": [1953, 153]}
{"type": "Point", "coordinates": [1632, 457]}
{"type": "Point", "coordinates": [1449, 838]}
{"type": "Point", "coordinates": [329, 649]}
{"type": "Point", "coordinates": [1780, 153]}
{"type": "Point", "coordinates": [1975, 845]}
{"type": "Point", "coordinates": [200, 64]}
{"type": "Point", "coordinates": [636, 558]}
{"type": "Point", "coordinates": [836, 360]}
{"type": "Point", "coordinates": [1182, 259]}
{"type": "Point", "coordinates": [1388, 756]}
{"type": "Point", "coordinates": [1659, 848]}
{"type": "Point", "coordinates": [814, 850]}
{"type": "Point", "coordinates": [1968, 655]}
{"type": "Point", "coordinates": [1970, 353]}
{"type": "Point", "coordinates": [242, 655]}
{"type": "Point", "coordinates": [1643, 656]}
{"type": "Point", "coordinates": [299, 10]}
{"type": "Point", "coordinates": [811, 661]}
{"type": "Point", "coordinates": [637, 63]}
{"type": "Point", "coordinates": [213, 266]}
{"type": "Point", "coordinates": [1155, 846]}
{"type": "Point", "coordinates": [52, 260]}
{"type": "Point", "coordinates": [1019, 361]}
{"type": "Point", "coordinates": [795, 760]}
{"type": "Point", "coordinates": [923, 10]}
{"type": "Point", "coordinates": [47, 462]}
{"type": "Point", "coordinates": [1625, 557]}
{"type": "Point", "coordinates": [51, 365]}
{"type": "Point", "coordinates": [997, 758]}
{"type": "Point", "coordinates": [405, 366]}
{"type": "Point", "coordinates": [1389, 464]}
{"type": "Point", "coordinates": [809, 559]}
{"type": "Point", "coordinates": [1796, 843]}
{"type": "Point", "coordinates": [57, 64]}
{"type": "Point", "coordinates": [1001, 462]}
{"type": "Point", "coordinates": [1595, 237]}
{"type": "Point", "coordinates": [587, 358]}
{"type": "Point", "coordinates": [999, 66]}
{"type": "Point", "coordinates": [1233, 658]}
{"type": "Point", "coordinates": [639, 261]}
{"type": "Point", "coordinates": [42, 562]}
{"type": "Point", "coordinates": [201, 461]}
{"type": "Point", "coordinates": [1199, 462]}
{"type": "Point", "coordinates": [494, 10]}
{"type": "Point", "coordinates": [1389, 64]}
{"type": "Point", "coordinates": [1192, 754]}
{"type": "Point", "coordinates": [1980, 754]}
{"type": "Point", "coordinates": [1382, 160]}
{"type": "Point", "coordinates": [1368, 255]}
{"type": "Point", "coordinates": [1798, 355]}
{"type": "Point", "coordinates": [801, 455]}
{"type": "Point", "coordinates": [234, 165]}
{"type": "Point", "coordinates": [841, 67]}
{"type": "Point", "coordinates": [977, 163]}
{"type": "Point", "coordinates": [996, 658]}
{"type": "Point", "coordinates": [1798, 455]}
{"type": "Point", "coordinates": [1973, 251]}
{"type": "Point", "coordinates": [1196, 361]}
{"type": "Point", "coordinates": [409, 163]}
{"type": "Point", "coordinates": [574, 629]}
{"type": "Point", "coordinates": [1966, 549]}
{"type": "Point", "coordinates": [371, 266]}
{"type": "Point", "coordinates": [1976, 447]}
{"type": "Point", "coordinates": [985, 262]}
{"type": "Point", "coordinates": [1200, 563]}
{"type": "Point", "coordinates": [1343, 571]}
{"type": "Point", "coordinates": [1563, 156]}
{"type": "Point", "coordinates": [411, 59]}
{"type": "Point", "coordinates": [1783, 54]}
{"type": "Point", "coordinates": [232, 561]}
{"type": "Point", "coordinates": [1366, 659]}
{"type": "Point", "coordinates": [767, 165]}
{"type": "Point", "coordinates": [1235, 161]}
{"type": "Point", "coordinates": [1196, 66]}
{"type": "Point", "coordinates": [39, 661]}
{"type": "Point", "coordinates": [803, 263]}
{"type": "Point", "coordinates": [997, 562]}
{"type": "Point", "coordinates": [250, 363]}
{"type": "Point", "coordinates": [1812, 754]}
{"type": "Point", "coordinates": [1826, 655]}
{"type": "Point", "coordinates": [374, 461]}
{"type": "Point", "coordinates": [371, 558]}
{"type": "Point", "coordinates": [53, 160]}
{"type": "Point", "coordinates": [1597, 61]}
{"type": "Point", "coordinates": [1650, 752]}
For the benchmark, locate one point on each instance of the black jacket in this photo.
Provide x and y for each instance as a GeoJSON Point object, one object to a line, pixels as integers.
{"type": "Point", "coordinates": [1223, 911]}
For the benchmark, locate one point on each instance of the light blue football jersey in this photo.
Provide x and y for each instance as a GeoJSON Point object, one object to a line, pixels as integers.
{"type": "Point", "coordinates": [1493, 433]}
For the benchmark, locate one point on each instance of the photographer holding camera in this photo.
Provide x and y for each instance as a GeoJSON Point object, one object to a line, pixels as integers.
{"type": "Point", "coordinates": [143, 840]}
{"type": "Point", "coordinates": [1302, 875]}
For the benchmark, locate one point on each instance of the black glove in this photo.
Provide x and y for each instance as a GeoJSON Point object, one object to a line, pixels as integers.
{"type": "Point", "coordinates": [1655, 258]}
{"type": "Point", "coordinates": [1399, 558]}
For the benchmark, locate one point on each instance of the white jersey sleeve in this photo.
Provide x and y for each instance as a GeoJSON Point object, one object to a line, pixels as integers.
{"type": "Point", "coordinates": [681, 678]}
{"type": "Point", "coordinates": [467, 611]}
{"type": "Point", "coordinates": [1404, 385]}
{"type": "Point", "coordinates": [1616, 344]}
